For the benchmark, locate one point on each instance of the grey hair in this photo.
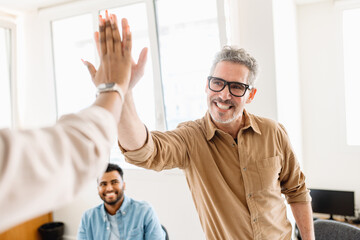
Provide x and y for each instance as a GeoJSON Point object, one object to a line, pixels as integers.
{"type": "Point", "coordinates": [237, 55]}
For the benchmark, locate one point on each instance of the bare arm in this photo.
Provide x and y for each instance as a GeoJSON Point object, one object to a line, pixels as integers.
{"type": "Point", "coordinates": [304, 219]}
{"type": "Point", "coordinates": [131, 130]}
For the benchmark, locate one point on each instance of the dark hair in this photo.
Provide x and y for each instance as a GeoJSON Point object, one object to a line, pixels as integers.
{"type": "Point", "coordinates": [114, 167]}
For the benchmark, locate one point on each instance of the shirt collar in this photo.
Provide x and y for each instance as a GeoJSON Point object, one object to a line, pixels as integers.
{"type": "Point", "coordinates": [211, 128]}
{"type": "Point", "coordinates": [123, 208]}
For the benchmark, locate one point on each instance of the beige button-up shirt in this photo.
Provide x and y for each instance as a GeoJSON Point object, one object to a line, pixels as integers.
{"type": "Point", "coordinates": [236, 187]}
{"type": "Point", "coordinates": [42, 169]}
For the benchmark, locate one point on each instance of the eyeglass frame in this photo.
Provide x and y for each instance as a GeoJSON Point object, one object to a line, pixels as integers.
{"type": "Point", "coordinates": [226, 83]}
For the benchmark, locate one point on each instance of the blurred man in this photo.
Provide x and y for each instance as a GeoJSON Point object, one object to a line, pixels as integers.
{"type": "Point", "coordinates": [119, 217]}
{"type": "Point", "coordinates": [236, 164]}
{"type": "Point", "coordinates": [43, 169]}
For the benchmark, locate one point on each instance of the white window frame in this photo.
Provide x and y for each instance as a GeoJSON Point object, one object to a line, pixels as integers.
{"type": "Point", "coordinates": [9, 23]}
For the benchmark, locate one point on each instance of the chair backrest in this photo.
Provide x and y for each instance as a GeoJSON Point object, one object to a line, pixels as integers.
{"type": "Point", "coordinates": [166, 233]}
{"type": "Point", "coordinates": [334, 230]}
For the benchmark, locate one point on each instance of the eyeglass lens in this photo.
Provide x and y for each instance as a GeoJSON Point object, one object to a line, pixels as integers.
{"type": "Point", "coordinates": [236, 89]}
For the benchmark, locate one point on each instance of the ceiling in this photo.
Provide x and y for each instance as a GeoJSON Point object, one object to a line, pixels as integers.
{"type": "Point", "coordinates": [28, 5]}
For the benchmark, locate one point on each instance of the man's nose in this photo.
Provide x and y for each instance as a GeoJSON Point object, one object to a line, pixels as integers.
{"type": "Point", "coordinates": [109, 187]}
{"type": "Point", "coordinates": [225, 93]}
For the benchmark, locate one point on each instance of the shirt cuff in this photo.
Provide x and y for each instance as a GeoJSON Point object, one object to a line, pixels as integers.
{"type": "Point", "coordinates": [302, 197]}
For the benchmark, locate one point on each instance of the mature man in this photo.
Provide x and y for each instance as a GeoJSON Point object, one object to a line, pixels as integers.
{"type": "Point", "coordinates": [237, 164]}
{"type": "Point", "coordinates": [119, 217]}
{"type": "Point", "coordinates": [42, 169]}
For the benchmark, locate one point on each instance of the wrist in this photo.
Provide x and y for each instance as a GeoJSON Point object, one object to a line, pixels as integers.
{"type": "Point", "coordinates": [110, 87]}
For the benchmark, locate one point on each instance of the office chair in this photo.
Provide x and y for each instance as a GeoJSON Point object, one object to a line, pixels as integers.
{"type": "Point", "coordinates": [166, 233]}
{"type": "Point", "coordinates": [334, 230]}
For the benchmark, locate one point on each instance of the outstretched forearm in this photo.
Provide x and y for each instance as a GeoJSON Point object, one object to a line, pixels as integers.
{"type": "Point", "coordinates": [131, 130]}
{"type": "Point", "coordinates": [303, 216]}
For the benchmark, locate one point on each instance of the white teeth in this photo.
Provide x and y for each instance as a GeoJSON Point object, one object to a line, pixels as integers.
{"type": "Point", "coordinates": [223, 107]}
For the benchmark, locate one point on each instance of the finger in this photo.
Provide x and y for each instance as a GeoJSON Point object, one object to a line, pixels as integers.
{"type": "Point", "coordinates": [127, 41]}
{"type": "Point", "coordinates": [91, 68]}
{"type": "Point", "coordinates": [102, 36]}
{"type": "Point", "coordinates": [142, 57]}
{"type": "Point", "coordinates": [108, 33]}
{"type": "Point", "coordinates": [115, 32]}
{"type": "Point", "coordinates": [97, 43]}
{"type": "Point", "coordinates": [124, 24]}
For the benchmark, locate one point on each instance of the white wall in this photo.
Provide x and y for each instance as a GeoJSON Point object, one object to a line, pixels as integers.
{"type": "Point", "coordinates": [253, 31]}
{"type": "Point", "coordinates": [35, 76]}
{"type": "Point", "coordinates": [287, 71]}
{"type": "Point", "coordinates": [329, 162]}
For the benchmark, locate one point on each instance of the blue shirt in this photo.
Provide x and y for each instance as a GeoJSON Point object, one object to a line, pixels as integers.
{"type": "Point", "coordinates": [136, 220]}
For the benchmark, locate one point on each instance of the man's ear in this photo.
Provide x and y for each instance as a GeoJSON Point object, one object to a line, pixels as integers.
{"type": "Point", "coordinates": [124, 185]}
{"type": "Point", "coordinates": [251, 95]}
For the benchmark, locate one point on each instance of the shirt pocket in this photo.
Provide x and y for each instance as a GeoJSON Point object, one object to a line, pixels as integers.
{"type": "Point", "coordinates": [136, 234]}
{"type": "Point", "coordinates": [269, 170]}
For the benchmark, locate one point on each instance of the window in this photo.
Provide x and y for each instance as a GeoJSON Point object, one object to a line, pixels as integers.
{"type": "Point", "coordinates": [351, 39]}
{"type": "Point", "coordinates": [5, 78]}
{"type": "Point", "coordinates": [187, 47]}
{"type": "Point", "coordinates": [74, 88]}
{"type": "Point", "coordinates": [183, 47]}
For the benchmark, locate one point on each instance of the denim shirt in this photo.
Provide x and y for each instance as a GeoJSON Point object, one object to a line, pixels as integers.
{"type": "Point", "coordinates": [137, 220]}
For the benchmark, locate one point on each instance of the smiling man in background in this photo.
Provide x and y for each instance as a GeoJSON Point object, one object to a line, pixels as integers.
{"type": "Point", "coordinates": [119, 217]}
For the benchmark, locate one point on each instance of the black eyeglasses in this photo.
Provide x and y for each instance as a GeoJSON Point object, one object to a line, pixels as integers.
{"type": "Point", "coordinates": [236, 89]}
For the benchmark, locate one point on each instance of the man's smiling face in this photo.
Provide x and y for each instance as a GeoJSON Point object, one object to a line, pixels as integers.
{"type": "Point", "coordinates": [223, 107]}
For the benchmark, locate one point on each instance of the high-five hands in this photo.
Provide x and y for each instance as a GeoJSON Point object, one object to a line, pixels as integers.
{"type": "Point", "coordinates": [137, 69]}
{"type": "Point", "coordinates": [114, 52]}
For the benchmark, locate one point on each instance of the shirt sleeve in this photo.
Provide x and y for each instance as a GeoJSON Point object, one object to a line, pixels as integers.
{"type": "Point", "coordinates": [81, 234]}
{"type": "Point", "coordinates": [292, 179]}
{"type": "Point", "coordinates": [44, 168]}
{"type": "Point", "coordinates": [153, 229]}
{"type": "Point", "coordinates": [162, 150]}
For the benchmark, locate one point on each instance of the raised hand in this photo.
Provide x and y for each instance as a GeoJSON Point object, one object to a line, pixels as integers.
{"type": "Point", "coordinates": [114, 52]}
{"type": "Point", "coordinates": [137, 69]}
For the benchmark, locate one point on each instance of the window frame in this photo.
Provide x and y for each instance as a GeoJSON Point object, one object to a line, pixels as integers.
{"type": "Point", "coordinates": [9, 23]}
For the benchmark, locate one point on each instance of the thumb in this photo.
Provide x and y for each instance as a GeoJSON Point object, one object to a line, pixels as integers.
{"type": "Point", "coordinates": [90, 67]}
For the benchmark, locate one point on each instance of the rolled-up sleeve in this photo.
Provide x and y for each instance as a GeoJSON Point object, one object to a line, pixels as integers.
{"type": "Point", "coordinates": [292, 178]}
{"type": "Point", "coordinates": [162, 150]}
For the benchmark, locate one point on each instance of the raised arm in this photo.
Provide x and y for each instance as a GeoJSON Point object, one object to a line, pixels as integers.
{"type": "Point", "coordinates": [115, 62]}
{"type": "Point", "coordinates": [131, 130]}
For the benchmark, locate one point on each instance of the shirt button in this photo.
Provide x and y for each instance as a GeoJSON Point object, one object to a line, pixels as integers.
{"type": "Point", "coordinates": [244, 169]}
{"type": "Point", "coordinates": [123, 213]}
{"type": "Point", "coordinates": [250, 195]}
{"type": "Point", "coordinates": [255, 219]}
{"type": "Point", "coordinates": [107, 228]}
{"type": "Point", "coordinates": [233, 145]}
